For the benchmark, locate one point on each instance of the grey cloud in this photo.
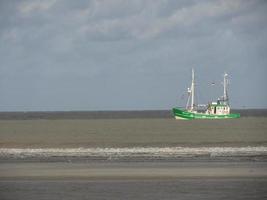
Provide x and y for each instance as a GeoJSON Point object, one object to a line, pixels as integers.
{"type": "Point", "coordinates": [117, 54]}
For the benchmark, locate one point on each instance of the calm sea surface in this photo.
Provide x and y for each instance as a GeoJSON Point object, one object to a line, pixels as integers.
{"type": "Point", "coordinates": [245, 131]}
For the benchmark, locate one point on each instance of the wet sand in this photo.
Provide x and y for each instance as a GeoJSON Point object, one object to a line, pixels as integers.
{"type": "Point", "coordinates": [145, 180]}
{"type": "Point", "coordinates": [133, 159]}
{"type": "Point", "coordinates": [158, 189]}
{"type": "Point", "coordinates": [131, 170]}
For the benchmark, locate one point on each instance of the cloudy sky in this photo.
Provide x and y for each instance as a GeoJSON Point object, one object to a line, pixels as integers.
{"type": "Point", "coordinates": [130, 54]}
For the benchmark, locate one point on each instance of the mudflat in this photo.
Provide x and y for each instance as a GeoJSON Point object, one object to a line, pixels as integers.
{"type": "Point", "coordinates": [133, 180]}
{"type": "Point", "coordinates": [130, 170]}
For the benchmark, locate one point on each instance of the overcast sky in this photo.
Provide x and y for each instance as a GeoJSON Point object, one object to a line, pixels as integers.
{"type": "Point", "coordinates": [130, 54]}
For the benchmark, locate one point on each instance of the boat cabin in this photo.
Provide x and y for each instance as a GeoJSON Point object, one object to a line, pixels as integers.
{"type": "Point", "coordinates": [218, 108]}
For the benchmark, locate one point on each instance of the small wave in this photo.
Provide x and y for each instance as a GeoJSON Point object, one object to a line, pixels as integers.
{"type": "Point", "coordinates": [151, 152]}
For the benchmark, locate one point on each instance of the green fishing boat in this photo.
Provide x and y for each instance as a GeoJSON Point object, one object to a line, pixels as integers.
{"type": "Point", "coordinates": [214, 110]}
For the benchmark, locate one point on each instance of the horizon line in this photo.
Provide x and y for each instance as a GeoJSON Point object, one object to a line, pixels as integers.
{"type": "Point", "coordinates": [126, 110]}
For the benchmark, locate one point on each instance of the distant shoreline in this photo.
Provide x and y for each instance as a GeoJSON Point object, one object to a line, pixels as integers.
{"type": "Point", "coordinates": [110, 114]}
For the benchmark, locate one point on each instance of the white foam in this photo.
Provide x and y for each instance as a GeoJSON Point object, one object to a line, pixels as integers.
{"type": "Point", "coordinates": [134, 152]}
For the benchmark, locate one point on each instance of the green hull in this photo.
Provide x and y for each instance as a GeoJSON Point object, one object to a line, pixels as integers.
{"type": "Point", "coordinates": [183, 114]}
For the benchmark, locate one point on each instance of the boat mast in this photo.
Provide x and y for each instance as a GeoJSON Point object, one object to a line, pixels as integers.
{"type": "Point", "coordinates": [225, 82]}
{"type": "Point", "coordinates": [192, 90]}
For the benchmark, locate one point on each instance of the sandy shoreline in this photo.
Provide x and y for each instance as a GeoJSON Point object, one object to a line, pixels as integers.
{"type": "Point", "coordinates": [148, 170]}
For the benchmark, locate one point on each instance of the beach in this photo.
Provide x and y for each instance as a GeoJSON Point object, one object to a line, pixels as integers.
{"type": "Point", "coordinates": [127, 180]}
{"type": "Point", "coordinates": [133, 158]}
